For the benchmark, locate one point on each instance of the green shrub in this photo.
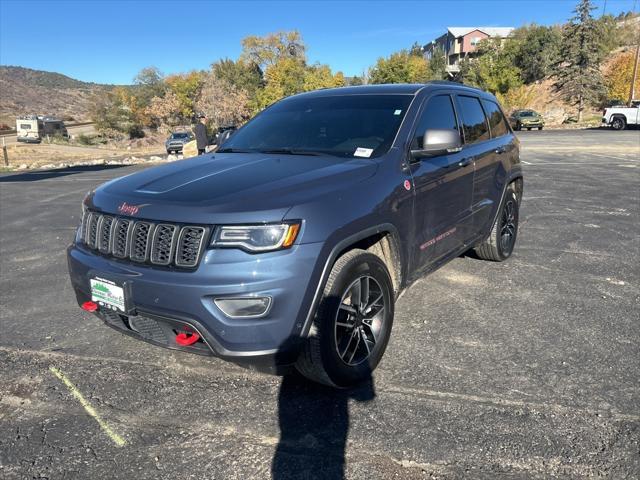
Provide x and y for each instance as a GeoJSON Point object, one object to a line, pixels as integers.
{"type": "Point", "coordinates": [84, 139]}
{"type": "Point", "coordinates": [135, 131]}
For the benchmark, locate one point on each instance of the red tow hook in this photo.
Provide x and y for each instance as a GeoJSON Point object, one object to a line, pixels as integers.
{"type": "Point", "coordinates": [185, 340]}
{"type": "Point", "coordinates": [90, 306]}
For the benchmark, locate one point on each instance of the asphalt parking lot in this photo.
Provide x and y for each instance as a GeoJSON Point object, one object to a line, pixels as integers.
{"type": "Point", "coordinates": [523, 369]}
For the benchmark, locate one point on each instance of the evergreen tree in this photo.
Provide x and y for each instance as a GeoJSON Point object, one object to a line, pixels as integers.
{"type": "Point", "coordinates": [438, 65]}
{"type": "Point", "coordinates": [578, 76]}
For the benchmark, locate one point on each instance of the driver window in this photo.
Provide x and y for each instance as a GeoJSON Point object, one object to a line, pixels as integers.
{"type": "Point", "coordinates": [438, 114]}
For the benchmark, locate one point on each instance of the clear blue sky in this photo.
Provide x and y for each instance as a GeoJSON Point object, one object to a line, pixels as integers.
{"type": "Point", "coordinates": [109, 41]}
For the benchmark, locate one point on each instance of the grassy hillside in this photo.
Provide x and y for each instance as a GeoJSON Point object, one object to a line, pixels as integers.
{"type": "Point", "coordinates": [27, 91]}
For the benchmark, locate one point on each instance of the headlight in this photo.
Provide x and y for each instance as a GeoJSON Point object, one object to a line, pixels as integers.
{"type": "Point", "coordinates": [257, 238]}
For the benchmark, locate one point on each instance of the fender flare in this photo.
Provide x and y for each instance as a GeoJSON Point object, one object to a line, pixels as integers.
{"type": "Point", "coordinates": [514, 174]}
{"type": "Point", "coordinates": [339, 247]}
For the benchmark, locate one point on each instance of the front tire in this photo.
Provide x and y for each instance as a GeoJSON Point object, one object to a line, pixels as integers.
{"type": "Point", "coordinates": [352, 324]}
{"type": "Point", "coordinates": [499, 245]}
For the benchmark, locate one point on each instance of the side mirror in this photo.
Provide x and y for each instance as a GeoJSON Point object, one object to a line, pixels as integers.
{"type": "Point", "coordinates": [438, 142]}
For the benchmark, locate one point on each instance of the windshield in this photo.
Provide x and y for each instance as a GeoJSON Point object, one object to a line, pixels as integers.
{"type": "Point", "coordinates": [342, 125]}
{"type": "Point", "coordinates": [180, 135]}
{"type": "Point", "coordinates": [527, 113]}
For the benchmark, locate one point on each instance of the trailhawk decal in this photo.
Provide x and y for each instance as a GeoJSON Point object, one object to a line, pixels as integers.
{"type": "Point", "coordinates": [435, 240]}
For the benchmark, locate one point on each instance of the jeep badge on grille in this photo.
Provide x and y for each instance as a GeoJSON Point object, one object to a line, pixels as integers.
{"type": "Point", "coordinates": [127, 209]}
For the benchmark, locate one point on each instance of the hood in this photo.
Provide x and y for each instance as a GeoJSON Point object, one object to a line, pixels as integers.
{"type": "Point", "coordinates": [230, 187]}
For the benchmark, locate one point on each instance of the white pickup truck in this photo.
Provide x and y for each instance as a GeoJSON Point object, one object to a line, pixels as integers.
{"type": "Point", "coordinates": [619, 117]}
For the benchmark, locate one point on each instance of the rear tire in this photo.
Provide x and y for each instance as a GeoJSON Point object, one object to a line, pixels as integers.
{"type": "Point", "coordinates": [352, 324]}
{"type": "Point", "coordinates": [539, 128]}
{"type": "Point", "coordinates": [499, 245]}
{"type": "Point", "coordinates": [618, 123]}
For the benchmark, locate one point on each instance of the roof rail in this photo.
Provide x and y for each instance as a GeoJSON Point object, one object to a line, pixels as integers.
{"type": "Point", "coordinates": [452, 84]}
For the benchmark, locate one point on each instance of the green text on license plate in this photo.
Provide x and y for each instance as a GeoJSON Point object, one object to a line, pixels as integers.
{"type": "Point", "coordinates": [107, 294]}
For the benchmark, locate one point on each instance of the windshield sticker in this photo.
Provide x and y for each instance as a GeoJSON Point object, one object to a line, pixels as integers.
{"type": "Point", "coordinates": [397, 112]}
{"type": "Point", "coordinates": [363, 152]}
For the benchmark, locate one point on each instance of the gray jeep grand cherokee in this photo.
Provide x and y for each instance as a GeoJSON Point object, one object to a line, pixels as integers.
{"type": "Point", "coordinates": [291, 243]}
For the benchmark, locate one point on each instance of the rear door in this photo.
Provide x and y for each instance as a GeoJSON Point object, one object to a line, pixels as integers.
{"type": "Point", "coordinates": [491, 167]}
{"type": "Point", "coordinates": [480, 147]}
{"type": "Point", "coordinates": [443, 186]}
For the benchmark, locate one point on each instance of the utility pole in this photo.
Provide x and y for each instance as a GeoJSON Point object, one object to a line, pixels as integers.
{"type": "Point", "coordinates": [632, 90]}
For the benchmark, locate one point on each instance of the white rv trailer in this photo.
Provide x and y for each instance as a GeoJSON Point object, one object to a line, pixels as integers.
{"type": "Point", "coordinates": [33, 128]}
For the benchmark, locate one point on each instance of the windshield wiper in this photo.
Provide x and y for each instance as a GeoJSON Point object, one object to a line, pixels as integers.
{"type": "Point", "coordinates": [293, 151]}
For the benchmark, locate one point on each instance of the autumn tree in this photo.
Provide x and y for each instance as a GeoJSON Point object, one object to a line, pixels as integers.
{"type": "Point", "coordinates": [165, 111]}
{"type": "Point", "coordinates": [320, 76]}
{"type": "Point", "coordinates": [113, 113]}
{"type": "Point", "coordinates": [285, 77]}
{"type": "Point", "coordinates": [186, 88]}
{"type": "Point", "coordinates": [400, 67]}
{"type": "Point", "coordinates": [578, 77]}
{"type": "Point", "coordinates": [224, 103]}
{"type": "Point", "coordinates": [618, 76]}
{"type": "Point", "coordinates": [268, 50]}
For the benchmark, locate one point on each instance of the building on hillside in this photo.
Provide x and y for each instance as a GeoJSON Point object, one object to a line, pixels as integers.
{"type": "Point", "coordinates": [461, 42]}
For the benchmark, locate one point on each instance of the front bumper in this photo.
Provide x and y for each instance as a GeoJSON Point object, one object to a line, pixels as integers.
{"type": "Point", "coordinates": [174, 147]}
{"type": "Point", "coordinates": [169, 295]}
{"type": "Point", "coordinates": [29, 139]}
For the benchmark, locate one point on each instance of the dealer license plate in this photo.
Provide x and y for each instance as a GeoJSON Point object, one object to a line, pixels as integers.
{"type": "Point", "coordinates": [107, 294]}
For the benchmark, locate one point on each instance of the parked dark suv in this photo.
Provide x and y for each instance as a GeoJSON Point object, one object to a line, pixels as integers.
{"type": "Point", "coordinates": [291, 243]}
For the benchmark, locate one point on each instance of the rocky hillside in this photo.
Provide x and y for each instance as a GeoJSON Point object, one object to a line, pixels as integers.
{"type": "Point", "coordinates": [26, 91]}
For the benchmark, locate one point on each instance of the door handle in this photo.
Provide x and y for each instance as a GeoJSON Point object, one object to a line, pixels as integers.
{"type": "Point", "coordinates": [501, 149]}
{"type": "Point", "coordinates": [466, 161]}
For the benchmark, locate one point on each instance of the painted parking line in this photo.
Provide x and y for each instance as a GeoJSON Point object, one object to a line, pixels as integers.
{"type": "Point", "coordinates": [626, 159]}
{"type": "Point", "coordinates": [117, 439]}
{"type": "Point", "coordinates": [562, 164]}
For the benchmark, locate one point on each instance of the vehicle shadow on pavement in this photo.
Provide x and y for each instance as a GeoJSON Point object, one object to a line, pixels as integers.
{"type": "Point", "coordinates": [36, 175]}
{"type": "Point", "coordinates": [314, 423]}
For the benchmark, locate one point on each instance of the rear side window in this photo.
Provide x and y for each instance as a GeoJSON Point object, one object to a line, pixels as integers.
{"type": "Point", "coordinates": [438, 114]}
{"type": "Point", "coordinates": [474, 122]}
{"type": "Point", "coordinates": [496, 119]}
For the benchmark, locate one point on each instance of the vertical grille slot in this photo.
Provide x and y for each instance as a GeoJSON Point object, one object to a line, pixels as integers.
{"type": "Point", "coordinates": [120, 238]}
{"type": "Point", "coordinates": [189, 246]}
{"type": "Point", "coordinates": [104, 235]}
{"type": "Point", "coordinates": [140, 241]}
{"type": "Point", "coordinates": [163, 244]}
{"type": "Point", "coordinates": [83, 225]}
{"type": "Point", "coordinates": [92, 229]}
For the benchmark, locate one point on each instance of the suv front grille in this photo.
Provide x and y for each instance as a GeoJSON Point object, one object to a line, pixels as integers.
{"type": "Point", "coordinates": [142, 241]}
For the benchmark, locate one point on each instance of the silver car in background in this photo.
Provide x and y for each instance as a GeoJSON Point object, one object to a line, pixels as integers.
{"type": "Point", "coordinates": [176, 141]}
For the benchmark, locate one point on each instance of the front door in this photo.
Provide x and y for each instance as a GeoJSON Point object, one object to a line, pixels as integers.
{"type": "Point", "coordinates": [443, 187]}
